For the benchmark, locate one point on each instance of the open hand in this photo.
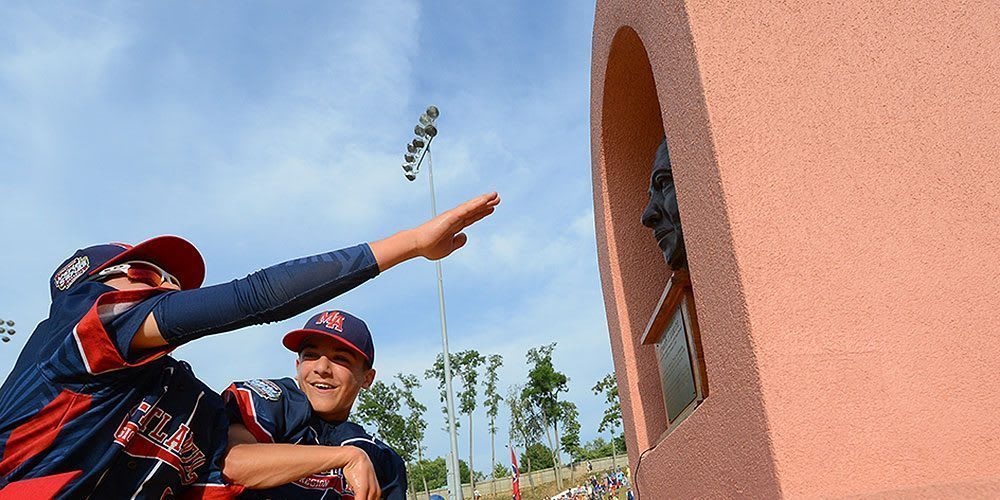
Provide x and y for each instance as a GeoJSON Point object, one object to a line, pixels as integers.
{"type": "Point", "coordinates": [442, 235]}
{"type": "Point", "coordinates": [436, 238]}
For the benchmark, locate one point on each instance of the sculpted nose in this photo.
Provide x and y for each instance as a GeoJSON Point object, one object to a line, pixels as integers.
{"type": "Point", "coordinates": [650, 216]}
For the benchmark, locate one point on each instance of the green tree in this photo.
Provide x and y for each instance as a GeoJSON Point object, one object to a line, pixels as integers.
{"type": "Point", "coordinates": [436, 372]}
{"type": "Point", "coordinates": [543, 388]}
{"type": "Point", "coordinates": [379, 407]}
{"type": "Point", "coordinates": [500, 471]}
{"type": "Point", "coordinates": [525, 423]}
{"type": "Point", "coordinates": [539, 455]}
{"type": "Point", "coordinates": [435, 472]}
{"type": "Point", "coordinates": [568, 416]}
{"type": "Point", "coordinates": [468, 366]}
{"type": "Point", "coordinates": [415, 425]}
{"type": "Point", "coordinates": [492, 403]}
{"type": "Point", "coordinates": [608, 387]}
{"type": "Point", "coordinates": [594, 449]}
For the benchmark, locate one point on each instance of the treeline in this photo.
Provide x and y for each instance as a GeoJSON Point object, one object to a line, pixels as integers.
{"type": "Point", "coordinates": [542, 422]}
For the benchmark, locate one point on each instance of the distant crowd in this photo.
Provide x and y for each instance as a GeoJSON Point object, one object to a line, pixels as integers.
{"type": "Point", "coordinates": [605, 486]}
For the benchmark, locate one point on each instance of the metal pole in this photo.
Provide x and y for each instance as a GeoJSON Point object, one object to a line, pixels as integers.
{"type": "Point", "coordinates": [457, 475]}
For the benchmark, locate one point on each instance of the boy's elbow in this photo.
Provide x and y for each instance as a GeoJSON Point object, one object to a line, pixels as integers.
{"type": "Point", "coordinates": [237, 468]}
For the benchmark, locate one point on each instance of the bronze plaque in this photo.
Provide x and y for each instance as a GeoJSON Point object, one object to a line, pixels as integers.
{"type": "Point", "coordinates": [676, 371]}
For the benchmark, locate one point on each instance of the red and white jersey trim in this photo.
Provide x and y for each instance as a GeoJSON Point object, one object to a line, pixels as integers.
{"type": "Point", "coordinates": [96, 346]}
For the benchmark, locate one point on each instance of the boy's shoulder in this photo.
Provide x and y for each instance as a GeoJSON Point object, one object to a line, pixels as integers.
{"type": "Point", "coordinates": [272, 389]}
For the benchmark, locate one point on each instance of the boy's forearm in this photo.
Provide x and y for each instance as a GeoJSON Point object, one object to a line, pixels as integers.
{"type": "Point", "coordinates": [259, 466]}
{"type": "Point", "coordinates": [394, 249]}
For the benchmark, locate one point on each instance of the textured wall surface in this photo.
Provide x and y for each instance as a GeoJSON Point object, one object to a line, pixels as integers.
{"type": "Point", "coordinates": [837, 175]}
{"type": "Point", "coordinates": [722, 448]}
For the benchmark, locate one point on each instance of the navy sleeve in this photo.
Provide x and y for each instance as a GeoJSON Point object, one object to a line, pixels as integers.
{"type": "Point", "coordinates": [389, 467]}
{"type": "Point", "coordinates": [271, 414]}
{"type": "Point", "coordinates": [210, 482]}
{"type": "Point", "coordinates": [98, 341]}
{"type": "Point", "coordinates": [272, 294]}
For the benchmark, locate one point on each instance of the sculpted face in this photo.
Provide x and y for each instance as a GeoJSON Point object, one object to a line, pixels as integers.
{"type": "Point", "coordinates": [661, 213]}
{"type": "Point", "coordinates": [331, 375]}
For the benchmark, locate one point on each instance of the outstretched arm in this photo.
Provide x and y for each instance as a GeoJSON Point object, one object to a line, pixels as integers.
{"type": "Point", "coordinates": [282, 291]}
{"type": "Point", "coordinates": [436, 238]}
{"type": "Point", "coordinates": [259, 466]}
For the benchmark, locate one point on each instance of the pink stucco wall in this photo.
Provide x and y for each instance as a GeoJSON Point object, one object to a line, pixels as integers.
{"type": "Point", "coordinates": [839, 184]}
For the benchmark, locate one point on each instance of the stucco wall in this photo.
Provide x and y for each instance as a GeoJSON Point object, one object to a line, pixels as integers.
{"type": "Point", "coordinates": [837, 175]}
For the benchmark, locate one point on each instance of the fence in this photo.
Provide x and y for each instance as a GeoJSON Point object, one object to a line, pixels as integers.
{"type": "Point", "coordinates": [536, 478]}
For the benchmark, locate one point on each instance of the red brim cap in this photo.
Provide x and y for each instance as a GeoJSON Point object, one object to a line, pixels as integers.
{"type": "Point", "coordinates": [293, 340]}
{"type": "Point", "coordinates": [174, 254]}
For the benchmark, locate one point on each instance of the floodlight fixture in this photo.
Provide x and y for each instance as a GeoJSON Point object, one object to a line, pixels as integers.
{"type": "Point", "coordinates": [419, 131]}
{"type": "Point", "coordinates": [10, 322]}
{"type": "Point", "coordinates": [431, 130]}
{"type": "Point", "coordinates": [412, 148]}
{"type": "Point", "coordinates": [432, 112]}
{"type": "Point", "coordinates": [5, 339]}
{"type": "Point", "coordinates": [410, 157]}
{"type": "Point", "coordinates": [3, 330]}
{"type": "Point", "coordinates": [418, 142]}
{"type": "Point", "coordinates": [426, 120]}
{"type": "Point", "coordinates": [10, 331]}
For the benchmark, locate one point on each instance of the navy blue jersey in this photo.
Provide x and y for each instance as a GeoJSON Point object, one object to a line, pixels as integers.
{"type": "Point", "coordinates": [77, 399]}
{"type": "Point", "coordinates": [277, 411]}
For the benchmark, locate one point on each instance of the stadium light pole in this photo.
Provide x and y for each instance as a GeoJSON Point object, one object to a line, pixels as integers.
{"type": "Point", "coordinates": [416, 151]}
{"type": "Point", "coordinates": [6, 329]}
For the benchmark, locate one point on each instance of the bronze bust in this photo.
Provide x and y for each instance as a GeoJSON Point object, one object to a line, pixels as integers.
{"type": "Point", "coordinates": [661, 213]}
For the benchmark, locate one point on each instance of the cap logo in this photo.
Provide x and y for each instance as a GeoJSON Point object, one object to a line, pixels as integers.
{"type": "Point", "coordinates": [71, 272]}
{"type": "Point", "coordinates": [333, 320]}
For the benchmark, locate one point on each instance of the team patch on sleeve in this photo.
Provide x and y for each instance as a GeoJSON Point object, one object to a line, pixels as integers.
{"type": "Point", "coordinates": [71, 272]}
{"type": "Point", "coordinates": [265, 389]}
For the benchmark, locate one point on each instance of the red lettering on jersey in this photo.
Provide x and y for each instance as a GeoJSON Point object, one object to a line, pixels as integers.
{"type": "Point", "coordinates": [158, 435]}
{"type": "Point", "coordinates": [144, 408]}
{"type": "Point", "coordinates": [334, 320]}
{"type": "Point", "coordinates": [178, 451]}
{"type": "Point", "coordinates": [177, 440]}
{"type": "Point", "coordinates": [125, 433]}
{"type": "Point", "coordinates": [329, 480]}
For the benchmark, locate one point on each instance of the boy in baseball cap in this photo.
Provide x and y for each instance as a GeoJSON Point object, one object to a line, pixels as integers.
{"type": "Point", "coordinates": [335, 357]}
{"type": "Point", "coordinates": [94, 389]}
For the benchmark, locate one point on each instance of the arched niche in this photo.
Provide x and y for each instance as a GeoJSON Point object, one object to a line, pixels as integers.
{"type": "Point", "coordinates": [631, 129]}
{"type": "Point", "coordinates": [645, 84]}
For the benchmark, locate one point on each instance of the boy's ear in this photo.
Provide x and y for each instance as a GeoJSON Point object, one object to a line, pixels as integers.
{"type": "Point", "coordinates": [369, 378]}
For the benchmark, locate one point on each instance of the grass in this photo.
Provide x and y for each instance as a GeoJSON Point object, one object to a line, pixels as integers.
{"type": "Point", "coordinates": [543, 491]}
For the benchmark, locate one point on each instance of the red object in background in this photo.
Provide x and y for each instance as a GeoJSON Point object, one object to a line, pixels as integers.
{"type": "Point", "coordinates": [514, 476]}
{"type": "Point", "coordinates": [39, 487]}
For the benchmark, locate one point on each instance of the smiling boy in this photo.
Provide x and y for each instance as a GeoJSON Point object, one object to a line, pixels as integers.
{"type": "Point", "coordinates": [335, 356]}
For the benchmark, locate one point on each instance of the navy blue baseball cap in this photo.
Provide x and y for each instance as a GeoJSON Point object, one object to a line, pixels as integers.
{"type": "Point", "coordinates": [338, 325]}
{"type": "Point", "coordinates": [174, 254]}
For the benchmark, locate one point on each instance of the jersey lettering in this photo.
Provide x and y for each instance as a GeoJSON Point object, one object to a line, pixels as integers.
{"type": "Point", "coordinates": [330, 480]}
{"type": "Point", "coordinates": [178, 450]}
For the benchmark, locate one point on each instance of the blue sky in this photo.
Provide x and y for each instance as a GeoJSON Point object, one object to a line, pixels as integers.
{"type": "Point", "coordinates": [267, 131]}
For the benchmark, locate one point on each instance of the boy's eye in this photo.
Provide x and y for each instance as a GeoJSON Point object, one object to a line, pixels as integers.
{"type": "Point", "coordinates": [310, 355]}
